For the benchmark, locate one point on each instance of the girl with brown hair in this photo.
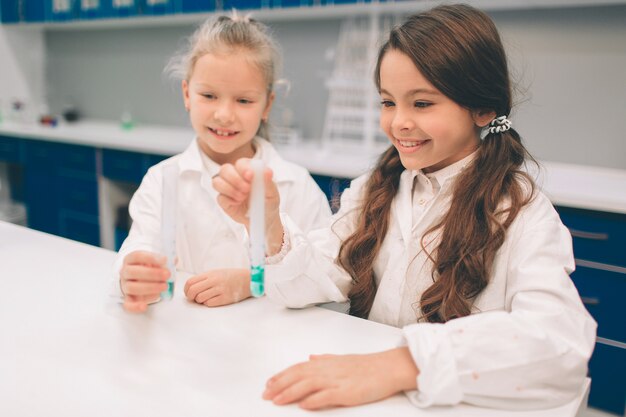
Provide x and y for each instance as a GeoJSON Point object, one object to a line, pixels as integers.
{"type": "Point", "coordinates": [447, 238]}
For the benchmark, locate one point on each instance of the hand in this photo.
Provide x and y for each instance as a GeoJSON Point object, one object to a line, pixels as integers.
{"type": "Point", "coordinates": [142, 278]}
{"type": "Point", "coordinates": [234, 184]}
{"type": "Point", "coordinates": [219, 287]}
{"type": "Point", "coordinates": [343, 380]}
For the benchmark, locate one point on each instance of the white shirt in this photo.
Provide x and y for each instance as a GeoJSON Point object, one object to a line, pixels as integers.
{"type": "Point", "coordinates": [207, 238]}
{"type": "Point", "coordinates": [528, 339]}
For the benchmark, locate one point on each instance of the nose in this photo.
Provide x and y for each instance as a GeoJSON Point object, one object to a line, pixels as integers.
{"type": "Point", "coordinates": [224, 113]}
{"type": "Point", "coordinates": [402, 120]}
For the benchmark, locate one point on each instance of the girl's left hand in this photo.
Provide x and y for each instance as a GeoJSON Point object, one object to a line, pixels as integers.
{"type": "Point", "coordinates": [343, 380]}
{"type": "Point", "coordinates": [219, 287]}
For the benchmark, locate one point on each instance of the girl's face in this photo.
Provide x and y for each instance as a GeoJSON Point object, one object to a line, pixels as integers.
{"type": "Point", "coordinates": [226, 97]}
{"type": "Point", "coordinates": [429, 130]}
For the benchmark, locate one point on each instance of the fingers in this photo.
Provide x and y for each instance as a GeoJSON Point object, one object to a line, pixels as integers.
{"type": "Point", "coordinates": [229, 190]}
{"type": "Point", "coordinates": [299, 391]}
{"type": "Point", "coordinates": [145, 258]}
{"type": "Point", "coordinates": [233, 182]}
{"type": "Point", "coordinates": [320, 399]}
{"type": "Point", "coordinates": [281, 381]}
{"type": "Point", "coordinates": [202, 289]}
{"type": "Point", "coordinates": [143, 280]}
{"type": "Point", "coordinates": [144, 273]}
{"type": "Point", "coordinates": [137, 304]}
{"type": "Point", "coordinates": [137, 288]}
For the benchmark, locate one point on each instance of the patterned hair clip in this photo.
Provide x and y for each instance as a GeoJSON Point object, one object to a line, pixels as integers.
{"type": "Point", "coordinates": [499, 125]}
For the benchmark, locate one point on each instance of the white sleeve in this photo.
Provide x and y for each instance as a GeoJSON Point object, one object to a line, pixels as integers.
{"type": "Point", "coordinates": [306, 204]}
{"type": "Point", "coordinates": [534, 355]}
{"type": "Point", "coordinates": [309, 274]}
{"type": "Point", "coordinates": [145, 212]}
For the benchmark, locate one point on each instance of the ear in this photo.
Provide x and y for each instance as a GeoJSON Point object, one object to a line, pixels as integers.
{"type": "Point", "coordinates": [483, 117]}
{"type": "Point", "coordinates": [185, 88]}
{"type": "Point", "coordinates": [268, 106]}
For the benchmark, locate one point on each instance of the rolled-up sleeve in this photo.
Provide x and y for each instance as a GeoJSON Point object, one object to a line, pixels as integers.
{"type": "Point", "coordinates": [309, 274]}
{"type": "Point", "coordinates": [145, 212]}
{"type": "Point", "coordinates": [532, 354]}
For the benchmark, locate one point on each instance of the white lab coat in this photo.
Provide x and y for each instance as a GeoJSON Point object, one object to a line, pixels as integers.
{"type": "Point", "coordinates": [529, 339]}
{"type": "Point", "coordinates": [206, 238]}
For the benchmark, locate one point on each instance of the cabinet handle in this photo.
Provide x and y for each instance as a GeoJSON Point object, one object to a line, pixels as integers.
{"type": "Point", "coordinates": [589, 235]}
{"type": "Point", "coordinates": [590, 301]}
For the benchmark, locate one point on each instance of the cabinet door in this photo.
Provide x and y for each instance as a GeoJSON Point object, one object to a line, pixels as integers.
{"type": "Point", "coordinates": [607, 370]}
{"type": "Point", "coordinates": [192, 6]}
{"type": "Point", "coordinates": [79, 226]}
{"type": "Point", "coordinates": [61, 177]}
{"type": "Point", "coordinates": [10, 149]}
{"type": "Point", "coordinates": [127, 166]}
{"type": "Point", "coordinates": [598, 237]}
{"type": "Point", "coordinates": [603, 293]}
{"type": "Point", "coordinates": [33, 10]}
{"type": "Point", "coordinates": [78, 194]}
{"type": "Point", "coordinates": [123, 8]}
{"type": "Point", "coordinates": [158, 7]}
{"type": "Point", "coordinates": [61, 10]}
{"type": "Point", "coordinates": [41, 200]}
{"type": "Point", "coordinates": [9, 12]}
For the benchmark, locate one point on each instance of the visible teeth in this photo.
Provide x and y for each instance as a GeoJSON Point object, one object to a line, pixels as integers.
{"type": "Point", "coordinates": [221, 132]}
{"type": "Point", "coordinates": [408, 144]}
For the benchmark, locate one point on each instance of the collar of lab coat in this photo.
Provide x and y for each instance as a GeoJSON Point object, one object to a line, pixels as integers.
{"type": "Point", "coordinates": [191, 160]}
{"type": "Point", "coordinates": [403, 203]}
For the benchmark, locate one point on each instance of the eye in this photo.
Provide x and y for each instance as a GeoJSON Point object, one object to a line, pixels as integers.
{"type": "Point", "coordinates": [208, 95]}
{"type": "Point", "coordinates": [387, 103]}
{"type": "Point", "coordinates": [244, 101]}
{"type": "Point", "coordinates": [422, 104]}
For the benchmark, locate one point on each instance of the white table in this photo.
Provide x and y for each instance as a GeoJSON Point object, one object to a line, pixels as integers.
{"type": "Point", "coordinates": [68, 349]}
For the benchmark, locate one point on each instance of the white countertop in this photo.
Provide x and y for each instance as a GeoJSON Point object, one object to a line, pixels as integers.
{"type": "Point", "coordinates": [70, 350]}
{"type": "Point", "coordinates": [579, 186]}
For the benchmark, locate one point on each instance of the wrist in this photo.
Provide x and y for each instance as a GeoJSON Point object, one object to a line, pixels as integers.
{"type": "Point", "coordinates": [402, 368]}
{"type": "Point", "coordinates": [274, 237]}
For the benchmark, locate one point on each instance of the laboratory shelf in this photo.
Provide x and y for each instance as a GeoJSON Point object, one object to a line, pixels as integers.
{"type": "Point", "coordinates": [318, 11]}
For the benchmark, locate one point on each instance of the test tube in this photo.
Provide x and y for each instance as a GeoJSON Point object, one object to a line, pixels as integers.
{"type": "Point", "coordinates": [256, 214]}
{"type": "Point", "coordinates": [168, 225]}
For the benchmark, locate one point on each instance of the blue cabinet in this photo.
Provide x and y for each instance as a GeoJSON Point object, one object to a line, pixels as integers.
{"type": "Point", "coordinates": [607, 370]}
{"type": "Point", "coordinates": [332, 187]}
{"type": "Point", "coordinates": [158, 7]}
{"type": "Point", "coordinates": [61, 190]}
{"type": "Point", "coordinates": [127, 166]}
{"type": "Point", "coordinates": [600, 250]}
{"type": "Point", "coordinates": [123, 8]}
{"type": "Point", "coordinates": [11, 149]}
{"type": "Point", "coordinates": [195, 6]}
{"type": "Point", "coordinates": [61, 10]}
{"type": "Point", "coordinates": [9, 11]}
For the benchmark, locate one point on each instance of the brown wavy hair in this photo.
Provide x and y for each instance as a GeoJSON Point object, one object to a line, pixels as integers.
{"type": "Point", "coordinates": [457, 48]}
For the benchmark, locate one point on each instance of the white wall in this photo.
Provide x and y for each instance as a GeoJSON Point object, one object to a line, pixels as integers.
{"type": "Point", "coordinates": [22, 69]}
{"type": "Point", "coordinates": [571, 71]}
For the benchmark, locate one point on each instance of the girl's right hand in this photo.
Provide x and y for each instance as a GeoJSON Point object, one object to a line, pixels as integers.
{"type": "Point", "coordinates": [234, 185]}
{"type": "Point", "coordinates": [142, 278]}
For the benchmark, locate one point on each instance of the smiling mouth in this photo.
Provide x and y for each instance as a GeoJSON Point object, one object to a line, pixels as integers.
{"type": "Point", "coordinates": [224, 133]}
{"type": "Point", "coordinates": [411, 143]}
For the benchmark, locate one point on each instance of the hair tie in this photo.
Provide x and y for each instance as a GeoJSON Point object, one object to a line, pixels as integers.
{"type": "Point", "coordinates": [236, 17]}
{"type": "Point", "coordinates": [499, 125]}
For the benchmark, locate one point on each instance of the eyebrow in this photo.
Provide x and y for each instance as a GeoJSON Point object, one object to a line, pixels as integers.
{"type": "Point", "coordinates": [413, 92]}
{"type": "Point", "coordinates": [245, 92]}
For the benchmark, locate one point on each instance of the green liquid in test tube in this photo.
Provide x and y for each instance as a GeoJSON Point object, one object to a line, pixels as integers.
{"type": "Point", "coordinates": [256, 215]}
